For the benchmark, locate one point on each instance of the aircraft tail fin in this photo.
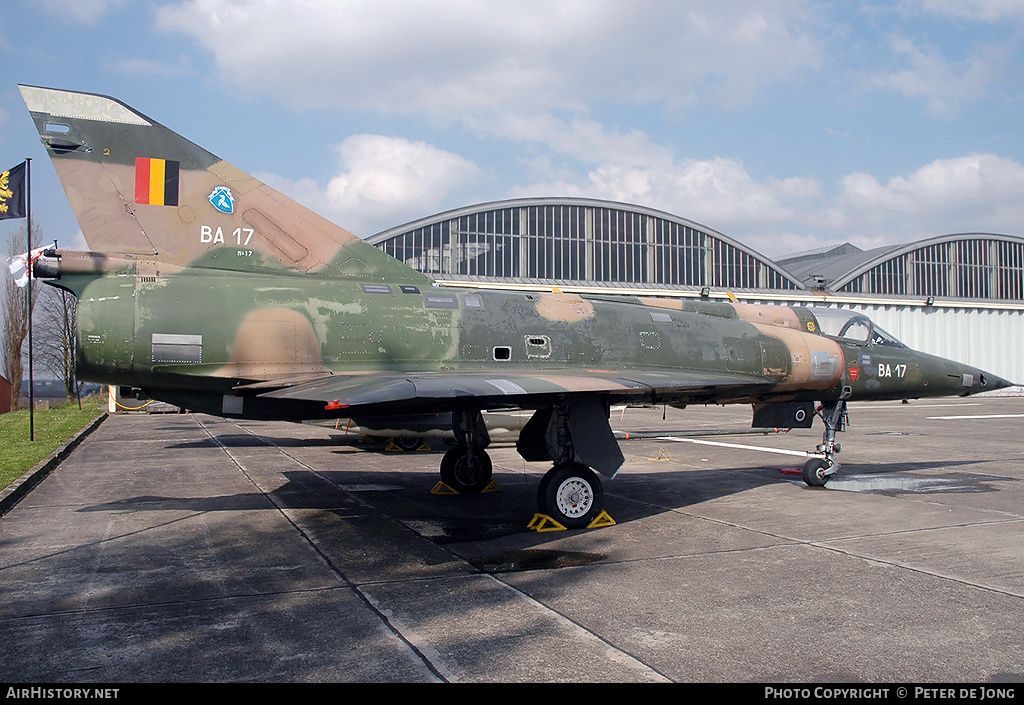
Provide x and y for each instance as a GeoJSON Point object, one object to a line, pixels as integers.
{"type": "Point", "coordinates": [139, 188]}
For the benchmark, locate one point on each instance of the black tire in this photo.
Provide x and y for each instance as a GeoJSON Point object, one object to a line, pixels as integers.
{"type": "Point", "coordinates": [408, 442]}
{"type": "Point", "coordinates": [814, 472]}
{"type": "Point", "coordinates": [571, 495]}
{"type": "Point", "coordinates": [466, 473]}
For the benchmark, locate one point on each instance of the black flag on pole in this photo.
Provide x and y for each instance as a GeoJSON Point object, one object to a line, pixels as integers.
{"type": "Point", "coordinates": [12, 193]}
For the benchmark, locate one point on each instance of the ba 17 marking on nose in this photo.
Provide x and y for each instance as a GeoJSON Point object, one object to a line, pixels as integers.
{"type": "Point", "coordinates": [238, 236]}
{"type": "Point", "coordinates": [887, 370]}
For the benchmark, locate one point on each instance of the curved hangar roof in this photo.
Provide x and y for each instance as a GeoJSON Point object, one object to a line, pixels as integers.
{"type": "Point", "coordinates": [584, 241]}
{"type": "Point", "coordinates": [603, 243]}
{"type": "Point", "coordinates": [961, 266]}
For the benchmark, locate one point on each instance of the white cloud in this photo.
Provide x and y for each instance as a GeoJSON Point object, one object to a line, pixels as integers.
{"type": "Point", "coordinates": [976, 192]}
{"type": "Point", "coordinates": [983, 10]}
{"type": "Point", "coordinates": [776, 216]}
{"type": "Point", "coordinates": [577, 137]}
{"type": "Point", "coordinates": [487, 56]}
{"type": "Point", "coordinates": [945, 86]}
{"type": "Point", "coordinates": [535, 73]}
{"type": "Point", "coordinates": [718, 193]}
{"type": "Point", "coordinates": [384, 181]}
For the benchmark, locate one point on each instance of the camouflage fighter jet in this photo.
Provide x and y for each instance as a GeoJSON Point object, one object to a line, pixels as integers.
{"type": "Point", "coordinates": [208, 289]}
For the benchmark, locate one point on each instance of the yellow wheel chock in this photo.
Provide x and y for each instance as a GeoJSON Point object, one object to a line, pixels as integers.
{"type": "Point", "coordinates": [395, 448]}
{"type": "Point", "coordinates": [602, 519]}
{"type": "Point", "coordinates": [542, 522]}
{"type": "Point", "coordinates": [441, 488]}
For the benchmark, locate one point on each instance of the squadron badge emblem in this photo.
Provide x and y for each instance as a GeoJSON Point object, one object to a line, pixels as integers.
{"type": "Point", "coordinates": [222, 199]}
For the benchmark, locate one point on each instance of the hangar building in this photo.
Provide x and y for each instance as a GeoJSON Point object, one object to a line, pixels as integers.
{"type": "Point", "coordinates": [958, 296]}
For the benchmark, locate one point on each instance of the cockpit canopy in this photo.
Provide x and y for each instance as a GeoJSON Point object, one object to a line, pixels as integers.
{"type": "Point", "coordinates": [851, 326]}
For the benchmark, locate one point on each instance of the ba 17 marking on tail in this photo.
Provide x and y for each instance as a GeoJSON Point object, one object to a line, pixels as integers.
{"type": "Point", "coordinates": [208, 289]}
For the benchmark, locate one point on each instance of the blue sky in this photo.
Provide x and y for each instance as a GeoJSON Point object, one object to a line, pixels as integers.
{"type": "Point", "coordinates": [786, 124]}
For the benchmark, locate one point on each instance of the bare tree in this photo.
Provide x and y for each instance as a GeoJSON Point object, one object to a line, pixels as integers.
{"type": "Point", "coordinates": [16, 312]}
{"type": "Point", "coordinates": [55, 319]}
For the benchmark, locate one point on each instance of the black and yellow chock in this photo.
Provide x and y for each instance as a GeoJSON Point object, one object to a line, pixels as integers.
{"type": "Point", "coordinates": [542, 522]}
{"type": "Point", "coordinates": [395, 448]}
{"type": "Point", "coordinates": [441, 488]}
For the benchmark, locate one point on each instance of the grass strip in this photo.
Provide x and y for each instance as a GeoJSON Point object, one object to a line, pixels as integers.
{"type": "Point", "coordinates": [53, 428]}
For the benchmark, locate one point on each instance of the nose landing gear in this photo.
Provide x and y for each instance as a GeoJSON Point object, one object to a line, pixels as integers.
{"type": "Point", "coordinates": [818, 470]}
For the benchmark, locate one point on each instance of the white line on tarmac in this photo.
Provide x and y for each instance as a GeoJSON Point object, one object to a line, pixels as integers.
{"type": "Point", "coordinates": [799, 453]}
{"type": "Point", "coordinates": [979, 416]}
{"type": "Point", "coordinates": [864, 406]}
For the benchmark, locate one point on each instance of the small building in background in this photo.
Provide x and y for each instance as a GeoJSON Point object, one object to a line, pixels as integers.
{"type": "Point", "coordinates": [5, 395]}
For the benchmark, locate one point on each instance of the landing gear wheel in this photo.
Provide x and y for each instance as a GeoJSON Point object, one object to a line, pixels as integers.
{"type": "Point", "coordinates": [815, 472]}
{"type": "Point", "coordinates": [408, 442]}
{"type": "Point", "coordinates": [465, 472]}
{"type": "Point", "coordinates": [571, 495]}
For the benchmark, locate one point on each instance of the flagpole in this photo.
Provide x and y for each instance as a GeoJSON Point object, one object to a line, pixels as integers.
{"type": "Point", "coordinates": [28, 237]}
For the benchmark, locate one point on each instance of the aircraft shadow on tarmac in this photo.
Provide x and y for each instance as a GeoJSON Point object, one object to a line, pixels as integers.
{"type": "Point", "coordinates": [246, 440]}
{"type": "Point", "coordinates": [406, 497]}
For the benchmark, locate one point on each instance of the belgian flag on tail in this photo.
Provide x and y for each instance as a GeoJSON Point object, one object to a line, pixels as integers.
{"type": "Point", "coordinates": [12, 193]}
{"type": "Point", "coordinates": [156, 181]}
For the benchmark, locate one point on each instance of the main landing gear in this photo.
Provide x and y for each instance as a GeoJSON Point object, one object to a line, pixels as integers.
{"type": "Point", "coordinates": [466, 470]}
{"type": "Point", "coordinates": [466, 467]}
{"type": "Point", "coordinates": [818, 470]}
{"type": "Point", "coordinates": [570, 493]}
{"type": "Point", "coordinates": [573, 433]}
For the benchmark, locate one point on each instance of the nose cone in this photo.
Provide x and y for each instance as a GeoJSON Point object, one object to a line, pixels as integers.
{"type": "Point", "coordinates": [976, 381]}
{"type": "Point", "coordinates": [987, 382]}
{"type": "Point", "coordinates": [950, 378]}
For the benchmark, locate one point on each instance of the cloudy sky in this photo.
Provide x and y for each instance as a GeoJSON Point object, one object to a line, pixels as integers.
{"type": "Point", "coordinates": [786, 124]}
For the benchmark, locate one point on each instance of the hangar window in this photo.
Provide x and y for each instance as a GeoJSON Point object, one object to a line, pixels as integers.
{"type": "Point", "coordinates": [572, 241]}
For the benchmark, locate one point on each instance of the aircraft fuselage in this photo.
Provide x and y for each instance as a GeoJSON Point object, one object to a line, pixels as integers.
{"type": "Point", "coordinates": [198, 335]}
